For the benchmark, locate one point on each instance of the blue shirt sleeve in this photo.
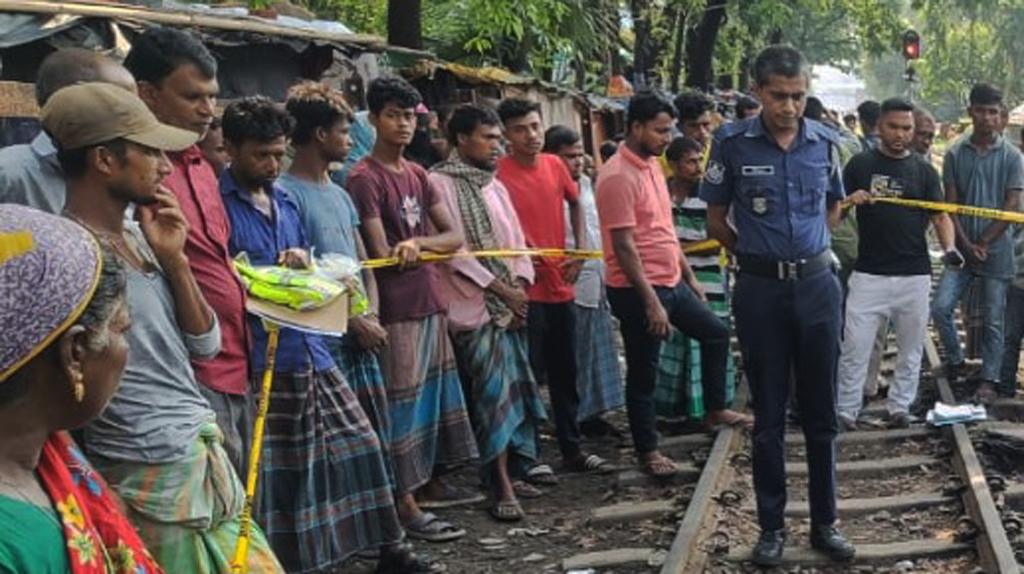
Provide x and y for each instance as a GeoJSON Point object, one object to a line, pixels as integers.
{"type": "Point", "coordinates": [717, 186]}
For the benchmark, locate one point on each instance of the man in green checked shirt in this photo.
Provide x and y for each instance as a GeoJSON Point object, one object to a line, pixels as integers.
{"type": "Point", "coordinates": [678, 391]}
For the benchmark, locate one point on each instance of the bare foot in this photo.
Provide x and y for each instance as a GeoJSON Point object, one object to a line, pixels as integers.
{"type": "Point", "coordinates": [729, 417]}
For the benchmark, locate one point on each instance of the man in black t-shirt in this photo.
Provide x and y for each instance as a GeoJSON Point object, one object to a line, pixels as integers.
{"type": "Point", "coordinates": [891, 280]}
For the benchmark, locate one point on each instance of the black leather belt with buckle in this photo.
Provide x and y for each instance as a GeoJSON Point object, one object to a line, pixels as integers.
{"type": "Point", "coordinates": [784, 270]}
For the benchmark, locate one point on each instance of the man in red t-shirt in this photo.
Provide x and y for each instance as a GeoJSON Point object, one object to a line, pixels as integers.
{"type": "Point", "coordinates": [177, 79]}
{"type": "Point", "coordinates": [539, 184]}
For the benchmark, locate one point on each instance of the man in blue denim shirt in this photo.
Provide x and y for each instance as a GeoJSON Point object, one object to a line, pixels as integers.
{"type": "Point", "coordinates": [326, 491]}
{"type": "Point", "coordinates": [983, 170]}
{"type": "Point", "coordinates": [779, 174]}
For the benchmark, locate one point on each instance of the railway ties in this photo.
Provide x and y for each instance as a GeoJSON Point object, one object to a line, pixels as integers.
{"type": "Point", "coordinates": [912, 500]}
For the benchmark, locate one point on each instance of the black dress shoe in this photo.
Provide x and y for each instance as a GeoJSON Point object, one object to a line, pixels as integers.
{"type": "Point", "coordinates": [829, 540]}
{"type": "Point", "coordinates": [768, 550]}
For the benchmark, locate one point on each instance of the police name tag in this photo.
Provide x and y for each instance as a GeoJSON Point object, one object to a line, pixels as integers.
{"type": "Point", "coordinates": [755, 170]}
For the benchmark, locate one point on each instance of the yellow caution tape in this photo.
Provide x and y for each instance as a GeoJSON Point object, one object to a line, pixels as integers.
{"type": "Point", "coordinates": [956, 209]}
{"type": "Point", "coordinates": [706, 245]}
{"type": "Point", "coordinates": [435, 257]}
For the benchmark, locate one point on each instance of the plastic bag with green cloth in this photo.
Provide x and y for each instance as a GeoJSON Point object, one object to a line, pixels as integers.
{"type": "Point", "coordinates": [297, 289]}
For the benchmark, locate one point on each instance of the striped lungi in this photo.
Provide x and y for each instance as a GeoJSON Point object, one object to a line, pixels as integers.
{"type": "Point", "coordinates": [187, 512]}
{"type": "Point", "coordinates": [598, 378]}
{"type": "Point", "coordinates": [504, 397]}
{"type": "Point", "coordinates": [429, 423]}
{"type": "Point", "coordinates": [326, 493]}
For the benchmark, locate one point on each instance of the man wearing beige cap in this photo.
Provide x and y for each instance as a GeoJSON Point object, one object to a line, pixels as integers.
{"type": "Point", "coordinates": [157, 443]}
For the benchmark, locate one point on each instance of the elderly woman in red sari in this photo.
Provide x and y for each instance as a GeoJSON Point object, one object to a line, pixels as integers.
{"type": "Point", "coordinates": [62, 353]}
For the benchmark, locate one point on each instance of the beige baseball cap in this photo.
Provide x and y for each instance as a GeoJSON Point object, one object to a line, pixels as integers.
{"type": "Point", "coordinates": [92, 113]}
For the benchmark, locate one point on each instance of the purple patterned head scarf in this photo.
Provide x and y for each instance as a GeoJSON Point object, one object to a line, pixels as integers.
{"type": "Point", "coordinates": [49, 269]}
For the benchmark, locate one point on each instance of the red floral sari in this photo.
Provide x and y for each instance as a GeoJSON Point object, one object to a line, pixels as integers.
{"type": "Point", "coordinates": [100, 540]}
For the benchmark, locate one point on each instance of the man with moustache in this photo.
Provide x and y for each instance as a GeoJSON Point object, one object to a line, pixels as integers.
{"type": "Point", "coordinates": [487, 309]}
{"type": "Point", "coordinates": [177, 79]}
{"type": "Point", "coordinates": [779, 175]}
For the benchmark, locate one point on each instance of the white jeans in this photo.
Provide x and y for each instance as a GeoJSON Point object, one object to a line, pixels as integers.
{"type": "Point", "coordinates": [873, 300]}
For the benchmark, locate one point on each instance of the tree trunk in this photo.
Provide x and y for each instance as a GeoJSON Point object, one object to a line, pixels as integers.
{"type": "Point", "coordinates": [700, 45]}
{"type": "Point", "coordinates": [405, 23]}
{"type": "Point", "coordinates": [643, 44]}
{"type": "Point", "coordinates": [678, 26]}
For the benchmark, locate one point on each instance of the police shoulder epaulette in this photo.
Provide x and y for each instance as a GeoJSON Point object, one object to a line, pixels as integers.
{"type": "Point", "coordinates": [733, 129]}
{"type": "Point", "coordinates": [822, 131]}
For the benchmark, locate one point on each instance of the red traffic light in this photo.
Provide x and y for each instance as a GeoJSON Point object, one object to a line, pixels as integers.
{"type": "Point", "coordinates": [911, 45]}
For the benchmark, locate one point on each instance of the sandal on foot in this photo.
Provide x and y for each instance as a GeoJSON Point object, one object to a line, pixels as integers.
{"type": "Point", "coordinates": [400, 559]}
{"type": "Point", "coordinates": [541, 474]}
{"type": "Point", "coordinates": [507, 511]}
{"type": "Point", "coordinates": [526, 490]}
{"type": "Point", "coordinates": [451, 496]}
{"type": "Point", "coordinates": [659, 466]}
{"type": "Point", "coordinates": [589, 463]}
{"type": "Point", "coordinates": [430, 528]}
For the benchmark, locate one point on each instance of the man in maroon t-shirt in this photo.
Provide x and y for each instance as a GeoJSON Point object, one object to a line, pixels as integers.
{"type": "Point", "coordinates": [539, 184]}
{"type": "Point", "coordinates": [402, 216]}
{"type": "Point", "coordinates": [177, 79]}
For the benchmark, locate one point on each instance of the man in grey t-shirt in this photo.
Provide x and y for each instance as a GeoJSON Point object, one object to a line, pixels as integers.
{"type": "Point", "coordinates": [982, 170]}
{"type": "Point", "coordinates": [157, 443]}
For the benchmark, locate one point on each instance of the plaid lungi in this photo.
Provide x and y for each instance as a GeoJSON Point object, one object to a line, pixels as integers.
{"type": "Point", "coordinates": [429, 422]}
{"type": "Point", "coordinates": [504, 397]}
{"type": "Point", "coordinates": [326, 492]}
{"type": "Point", "coordinates": [679, 389]}
{"type": "Point", "coordinates": [187, 512]}
{"type": "Point", "coordinates": [598, 378]}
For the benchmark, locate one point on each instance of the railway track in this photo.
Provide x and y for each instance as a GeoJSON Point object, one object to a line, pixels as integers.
{"type": "Point", "coordinates": [913, 500]}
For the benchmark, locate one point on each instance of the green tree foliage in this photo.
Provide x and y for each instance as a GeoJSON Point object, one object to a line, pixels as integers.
{"type": "Point", "coordinates": [969, 41]}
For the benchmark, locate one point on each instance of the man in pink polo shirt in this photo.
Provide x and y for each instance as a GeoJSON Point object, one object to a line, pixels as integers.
{"type": "Point", "coordinates": [650, 284]}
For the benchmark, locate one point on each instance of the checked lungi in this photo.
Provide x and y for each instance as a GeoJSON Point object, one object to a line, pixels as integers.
{"type": "Point", "coordinates": [598, 376]}
{"type": "Point", "coordinates": [326, 492]}
{"type": "Point", "coordinates": [504, 397]}
{"type": "Point", "coordinates": [429, 422]}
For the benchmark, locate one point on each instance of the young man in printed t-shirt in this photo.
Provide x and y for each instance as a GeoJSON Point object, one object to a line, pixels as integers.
{"type": "Point", "coordinates": [891, 279]}
{"type": "Point", "coordinates": [539, 185]}
{"type": "Point", "coordinates": [400, 212]}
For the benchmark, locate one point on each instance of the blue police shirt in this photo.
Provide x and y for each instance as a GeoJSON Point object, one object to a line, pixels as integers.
{"type": "Point", "coordinates": [779, 197]}
{"type": "Point", "coordinates": [263, 238]}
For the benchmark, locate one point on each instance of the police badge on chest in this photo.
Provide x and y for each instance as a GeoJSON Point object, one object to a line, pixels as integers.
{"type": "Point", "coordinates": [759, 204]}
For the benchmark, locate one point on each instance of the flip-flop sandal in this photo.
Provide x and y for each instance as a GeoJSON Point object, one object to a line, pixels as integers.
{"type": "Point", "coordinates": [659, 467]}
{"type": "Point", "coordinates": [430, 528]}
{"type": "Point", "coordinates": [526, 490]}
{"type": "Point", "coordinates": [541, 474]}
{"type": "Point", "coordinates": [452, 496]}
{"type": "Point", "coordinates": [507, 511]}
{"type": "Point", "coordinates": [589, 463]}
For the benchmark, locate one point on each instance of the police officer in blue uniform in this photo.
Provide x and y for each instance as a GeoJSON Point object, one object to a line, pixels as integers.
{"type": "Point", "coordinates": [780, 176]}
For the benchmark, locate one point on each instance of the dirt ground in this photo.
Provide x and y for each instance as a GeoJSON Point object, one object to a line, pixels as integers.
{"type": "Point", "coordinates": [556, 525]}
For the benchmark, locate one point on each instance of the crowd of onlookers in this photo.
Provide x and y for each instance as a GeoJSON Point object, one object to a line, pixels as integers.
{"type": "Point", "coordinates": [128, 322]}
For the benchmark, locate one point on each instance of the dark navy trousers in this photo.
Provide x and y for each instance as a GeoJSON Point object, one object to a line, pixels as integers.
{"type": "Point", "coordinates": [789, 327]}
